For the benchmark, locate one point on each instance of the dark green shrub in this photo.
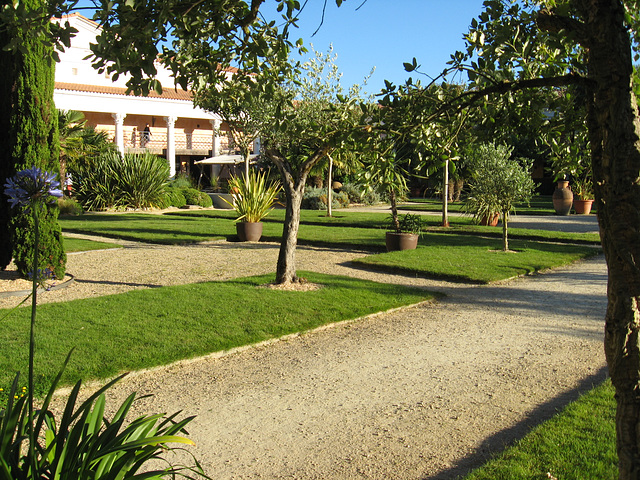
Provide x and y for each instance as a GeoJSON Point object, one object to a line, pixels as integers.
{"type": "Point", "coordinates": [142, 180]}
{"type": "Point", "coordinates": [51, 255]}
{"type": "Point", "coordinates": [196, 197]}
{"type": "Point", "coordinates": [132, 181]}
{"type": "Point", "coordinates": [174, 198]}
{"type": "Point", "coordinates": [69, 206]}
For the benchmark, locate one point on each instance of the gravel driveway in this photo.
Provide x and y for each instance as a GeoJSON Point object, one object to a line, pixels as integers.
{"type": "Point", "coordinates": [425, 392]}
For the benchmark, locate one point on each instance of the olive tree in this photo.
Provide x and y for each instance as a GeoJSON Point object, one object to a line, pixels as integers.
{"type": "Point", "coordinates": [314, 117]}
{"type": "Point", "coordinates": [497, 183]}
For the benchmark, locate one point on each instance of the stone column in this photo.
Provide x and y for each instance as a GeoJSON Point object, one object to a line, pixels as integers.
{"type": "Point", "coordinates": [119, 138]}
{"type": "Point", "coordinates": [171, 145]}
{"type": "Point", "coordinates": [215, 143]}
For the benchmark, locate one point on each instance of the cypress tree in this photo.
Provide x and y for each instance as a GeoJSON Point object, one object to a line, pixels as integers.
{"type": "Point", "coordinates": [30, 138]}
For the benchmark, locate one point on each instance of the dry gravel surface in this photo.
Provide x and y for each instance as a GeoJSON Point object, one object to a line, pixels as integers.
{"type": "Point", "coordinates": [425, 392]}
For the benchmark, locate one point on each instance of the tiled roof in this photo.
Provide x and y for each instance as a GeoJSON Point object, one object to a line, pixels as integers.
{"type": "Point", "coordinates": [167, 93]}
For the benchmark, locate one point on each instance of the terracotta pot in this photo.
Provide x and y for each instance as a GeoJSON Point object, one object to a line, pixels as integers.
{"type": "Point", "coordinates": [582, 207]}
{"type": "Point", "coordinates": [401, 241]}
{"type": "Point", "coordinates": [249, 231]}
{"type": "Point", "coordinates": [562, 198]}
{"type": "Point", "coordinates": [491, 221]}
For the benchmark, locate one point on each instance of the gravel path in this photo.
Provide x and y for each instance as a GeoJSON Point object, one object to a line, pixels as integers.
{"type": "Point", "coordinates": [424, 392]}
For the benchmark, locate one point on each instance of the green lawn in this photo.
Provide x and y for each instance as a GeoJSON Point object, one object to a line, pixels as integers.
{"type": "Point", "coordinates": [159, 326]}
{"type": "Point", "coordinates": [539, 205]}
{"type": "Point", "coordinates": [577, 444]}
{"type": "Point", "coordinates": [81, 245]}
{"type": "Point", "coordinates": [476, 259]}
{"type": "Point", "coordinates": [156, 326]}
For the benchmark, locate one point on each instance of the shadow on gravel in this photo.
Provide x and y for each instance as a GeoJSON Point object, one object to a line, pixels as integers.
{"type": "Point", "coordinates": [495, 444]}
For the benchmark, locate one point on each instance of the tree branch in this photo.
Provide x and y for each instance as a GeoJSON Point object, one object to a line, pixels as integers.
{"type": "Point", "coordinates": [506, 87]}
{"type": "Point", "coordinates": [548, 21]}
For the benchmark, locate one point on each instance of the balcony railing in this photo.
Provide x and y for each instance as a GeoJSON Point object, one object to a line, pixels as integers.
{"type": "Point", "coordinates": [158, 141]}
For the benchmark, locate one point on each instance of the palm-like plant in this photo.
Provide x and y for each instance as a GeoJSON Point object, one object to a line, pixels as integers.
{"type": "Point", "coordinates": [253, 197]}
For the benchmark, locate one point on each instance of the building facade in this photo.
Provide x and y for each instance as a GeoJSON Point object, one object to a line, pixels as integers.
{"type": "Point", "coordinates": [168, 125]}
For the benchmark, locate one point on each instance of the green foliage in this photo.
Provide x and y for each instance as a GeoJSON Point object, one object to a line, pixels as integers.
{"type": "Point", "coordinates": [51, 253]}
{"type": "Point", "coordinates": [83, 444]}
{"type": "Point", "coordinates": [194, 196]}
{"type": "Point", "coordinates": [29, 130]}
{"type": "Point", "coordinates": [253, 198]}
{"type": "Point", "coordinates": [316, 199]}
{"type": "Point", "coordinates": [174, 198]}
{"type": "Point", "coordinates": [69, 206]}
{"type": "Point", "coordinates": [132, 181]}
{"type": "Point", "coordinates": [181, 181]}
{"type": "Point", "coordinates": [358, 194]}
{"type": "Point", "coordinates": [410, 223]}
{"type": "Point", "coordinates": [498, 182]}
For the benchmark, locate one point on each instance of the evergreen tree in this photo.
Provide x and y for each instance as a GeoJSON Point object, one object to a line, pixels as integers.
{"type": "Point", "coordinates": [30, 138]}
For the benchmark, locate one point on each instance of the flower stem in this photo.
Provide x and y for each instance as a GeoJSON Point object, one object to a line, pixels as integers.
{"type": "Point", "coordinates": [32, 342]}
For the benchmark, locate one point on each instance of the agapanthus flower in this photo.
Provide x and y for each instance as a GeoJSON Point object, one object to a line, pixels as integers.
{"type": "Point", "coordinates": [32, 185]}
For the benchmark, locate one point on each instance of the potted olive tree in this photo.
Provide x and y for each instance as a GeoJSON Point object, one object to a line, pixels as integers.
{"type": "Point", "coordinates": [497, 183]}
{"type": "Point", "coordinates": [253, 198]}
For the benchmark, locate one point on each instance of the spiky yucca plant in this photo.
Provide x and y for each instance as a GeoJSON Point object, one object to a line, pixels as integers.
{"type": "Point", "coordinates": [253, 199]}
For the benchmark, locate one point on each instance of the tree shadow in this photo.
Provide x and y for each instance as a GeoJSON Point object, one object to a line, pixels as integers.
{"type": "Point", "coordinates": [498, 442]}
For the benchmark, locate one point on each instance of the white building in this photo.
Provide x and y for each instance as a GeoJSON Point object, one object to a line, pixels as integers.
{"type": "Point", "coordinates": [179, 131]}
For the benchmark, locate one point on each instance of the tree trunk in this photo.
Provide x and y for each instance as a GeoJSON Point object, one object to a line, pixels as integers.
{"type": "Point", "coordinates": [505, 239]}
{"type": "Point", "coordinates": [293, 182]}
{"type": "Point", "coordinates": [395, 223]}
{"type": "Point", "coordinates": [286, 268]}
{"type": "Point", "coordinates": [445, 195]}
{"type": "Point", "coordinates": [614, 135]}
{"type": "Point", "coordinates": [329, 187]}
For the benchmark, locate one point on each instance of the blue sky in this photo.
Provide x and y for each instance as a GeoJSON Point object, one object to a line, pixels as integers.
{"type": "Point", "coordinates": [384, 34]}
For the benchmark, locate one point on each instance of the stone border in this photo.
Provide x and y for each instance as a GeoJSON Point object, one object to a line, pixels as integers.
{"type": "Point", "coordinates": [17, 293]}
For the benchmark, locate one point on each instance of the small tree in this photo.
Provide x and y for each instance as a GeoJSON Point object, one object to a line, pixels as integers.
{"type": "Point", "coordinates": [497, 184]}
{"type": "Point", "coordinates": [314, 116]}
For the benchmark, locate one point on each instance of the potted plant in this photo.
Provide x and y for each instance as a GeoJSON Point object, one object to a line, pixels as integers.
{"type": "Point", "coordinates": [583, 190]}
{"type": "Point", "coordinates": [252, 199]}
{"type": "Point", "coordinates": [405, 232]}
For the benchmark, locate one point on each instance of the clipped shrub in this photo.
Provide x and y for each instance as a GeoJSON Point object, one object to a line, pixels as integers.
{"type": "Point", "coordinates": [175, 198]}
{"type": "Point", "coordinates": [316, 199]}
{"type": "Point", "coordinates": [69, 206]}
{"type": "Point", "coordinates": [52, 259]}
{"type": "Point", "coordinates": [196, 197]}
{"type": "Point", "coordinates": [132, 181]}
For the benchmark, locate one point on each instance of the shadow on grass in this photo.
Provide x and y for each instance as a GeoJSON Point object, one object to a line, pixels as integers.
{"type": "Point", "coordinates": [495, 444]}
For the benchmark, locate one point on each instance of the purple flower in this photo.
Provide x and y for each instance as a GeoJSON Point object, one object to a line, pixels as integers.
{"type": "Point", "coordinates": [32, 185]}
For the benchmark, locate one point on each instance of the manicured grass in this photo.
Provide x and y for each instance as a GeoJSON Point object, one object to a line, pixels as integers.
{"type": "Point", "coordinates": [351, 229]}
{"type": "Point", "coordinates": [577, 444]}
{"type": "Point", "coordinates": [150, 228]}
{"type": "Point", "coordinates": [539, 205]}
{"type": "Point", "coordinates": [145, 328]}
{"type": "Point", "coordinates": [476, 259]}
{"type": "Point", "coordinates": [81, 245]}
